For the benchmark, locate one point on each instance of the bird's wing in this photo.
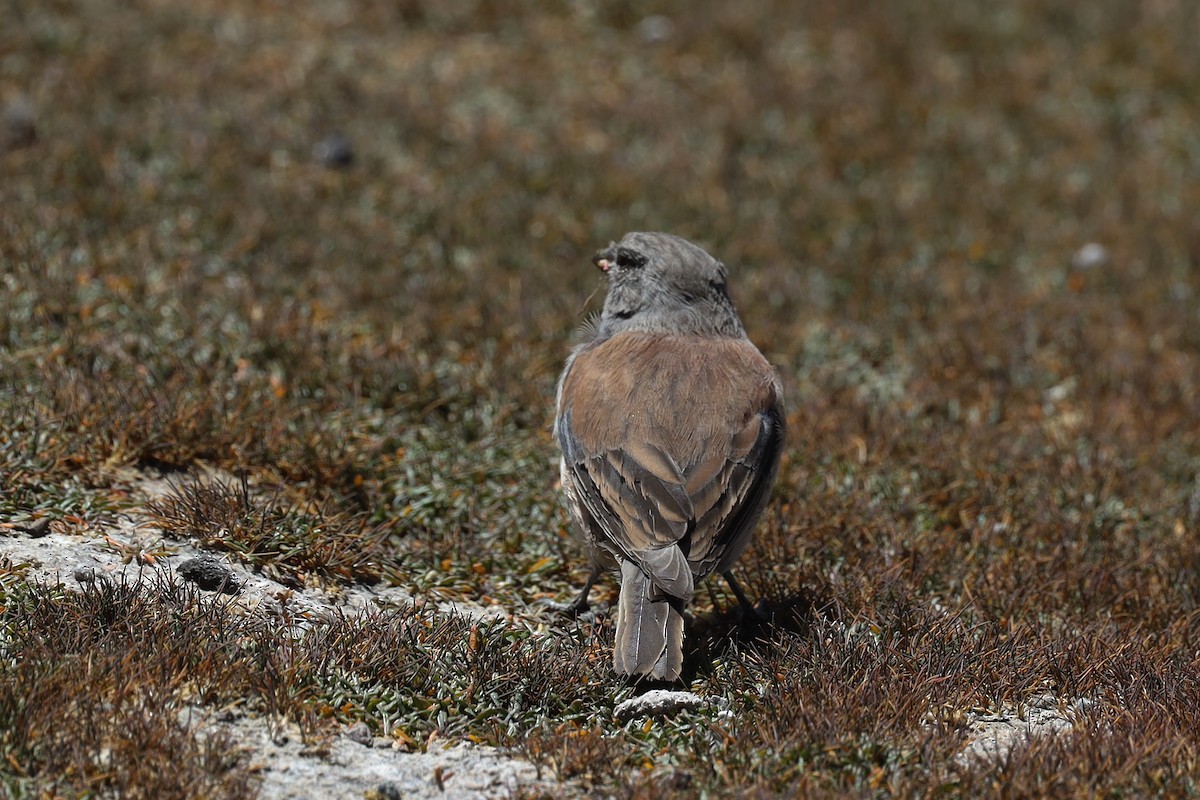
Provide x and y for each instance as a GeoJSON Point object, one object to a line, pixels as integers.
{"type": "Point", "coordinates": [670, 445]}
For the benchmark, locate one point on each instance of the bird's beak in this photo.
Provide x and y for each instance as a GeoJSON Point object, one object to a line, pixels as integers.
{"type": "Point", "coordinates": [604, 259]}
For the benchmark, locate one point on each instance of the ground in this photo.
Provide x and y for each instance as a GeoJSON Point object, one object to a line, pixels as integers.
{"type": "Point", "coordinates": [290, 285]}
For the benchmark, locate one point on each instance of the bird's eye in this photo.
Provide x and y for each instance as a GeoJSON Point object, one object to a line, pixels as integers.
{"type": "Point", "coordinates": [630, 258]}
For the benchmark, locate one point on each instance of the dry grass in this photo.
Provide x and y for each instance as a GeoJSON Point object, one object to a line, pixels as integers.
{"type": "Point", "coordinates": [285, 541]}
{"type": "Point", "coordinates": [992, 484]}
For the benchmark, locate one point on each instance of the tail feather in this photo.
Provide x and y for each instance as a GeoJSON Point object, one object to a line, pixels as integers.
{"type": "Point", "coordinates": [649, 629]}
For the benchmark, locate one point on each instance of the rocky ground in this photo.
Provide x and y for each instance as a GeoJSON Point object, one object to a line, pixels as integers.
{"type": "Point", "coordinates": [353, 764]}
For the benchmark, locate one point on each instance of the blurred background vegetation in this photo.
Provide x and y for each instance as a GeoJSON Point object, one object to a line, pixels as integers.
{"type": "Point", "coordinates": [341, 248]}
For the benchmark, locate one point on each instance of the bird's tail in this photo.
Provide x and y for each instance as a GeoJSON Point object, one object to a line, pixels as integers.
{"type": "Point", "coordinates": [649, 629]}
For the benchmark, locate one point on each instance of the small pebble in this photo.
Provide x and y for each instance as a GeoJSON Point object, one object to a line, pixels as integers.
{"type": "Point", "coordinates": [655, 29]}
{"type": "Point", "coordinates": [38, 529]}
{"type": "Point", "coordinates": [658, 703]}
{"type": "Point", "coordinates": [19, 128]}
{"type": "Point", "coordinates": [360, 732]}
{"type": "Point", "coordinates": [1091, 256]}
{"type": "Point", "coordinates": [384, 791]}
{"type": "Point", "coordinates": [84, 574]}
{"type": "Point", "coordinates": [210, 574]}
{"type": "Point", "coordinates": [334, 151]}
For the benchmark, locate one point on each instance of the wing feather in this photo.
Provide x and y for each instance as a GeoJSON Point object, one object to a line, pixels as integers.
{"type": "Point", "coordinates": [671, 473]}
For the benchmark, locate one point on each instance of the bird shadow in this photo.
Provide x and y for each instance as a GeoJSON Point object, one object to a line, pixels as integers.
{"type": "Point", "coordinates": [712, 635]}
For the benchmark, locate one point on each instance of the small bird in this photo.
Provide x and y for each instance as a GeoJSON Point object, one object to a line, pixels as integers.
{"type": "Point", "coordinates": [671, 424]}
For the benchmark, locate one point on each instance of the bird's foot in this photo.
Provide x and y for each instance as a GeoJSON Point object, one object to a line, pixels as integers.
{"type": "Point", "coordinates": [575, 609]}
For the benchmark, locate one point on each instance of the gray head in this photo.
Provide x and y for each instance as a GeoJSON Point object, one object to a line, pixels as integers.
{"type": "Point", "coordinates": [661, 283]}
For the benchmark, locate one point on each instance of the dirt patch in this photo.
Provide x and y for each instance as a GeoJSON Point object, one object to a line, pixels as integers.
{"type": "Point", "coordinates": [349, 765]}
{"type": "Point", "coordinates": [994, 736]}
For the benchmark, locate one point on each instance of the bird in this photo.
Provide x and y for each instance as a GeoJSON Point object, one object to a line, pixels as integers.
{"type": "Point", "coordinates": [670, 424]}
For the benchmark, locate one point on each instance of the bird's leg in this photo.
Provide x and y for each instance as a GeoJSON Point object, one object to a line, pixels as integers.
{"type": "Point", "coordinates": [580, 604]}
{"type": "Point", "coordinates": [748, 609]}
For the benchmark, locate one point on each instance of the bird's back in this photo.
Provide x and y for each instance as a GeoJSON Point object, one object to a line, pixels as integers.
{"type": "Point", "coordinates": [687, 421]}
